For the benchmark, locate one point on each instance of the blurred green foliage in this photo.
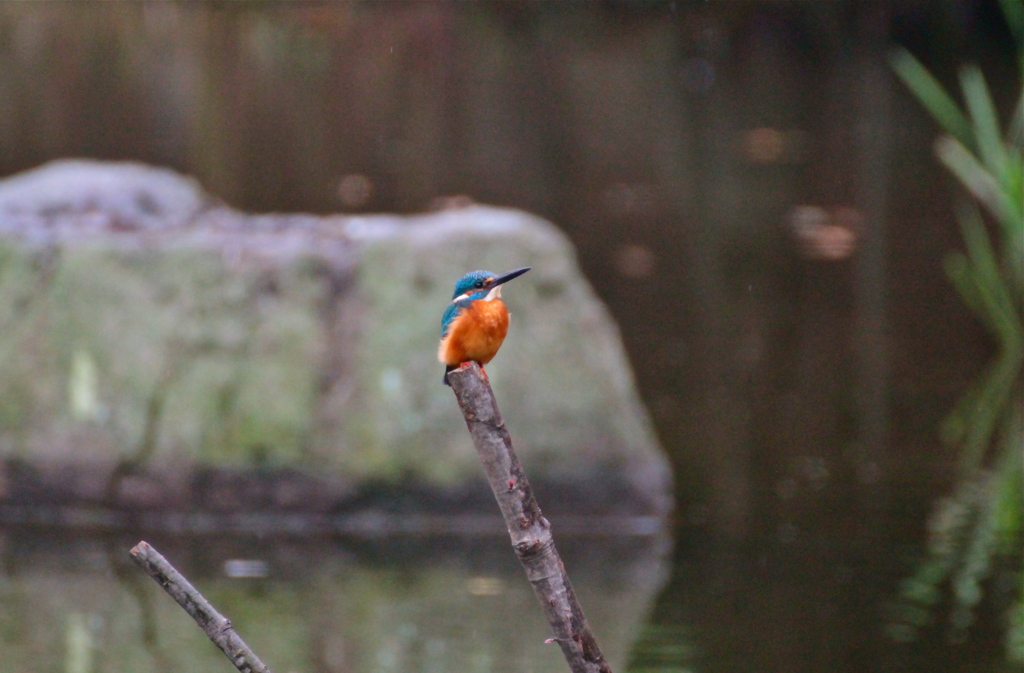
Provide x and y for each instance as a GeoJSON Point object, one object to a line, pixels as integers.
{"type": "Point", "coordinates": [983, 517]}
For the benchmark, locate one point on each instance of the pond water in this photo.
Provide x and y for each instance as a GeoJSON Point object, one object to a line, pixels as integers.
{"type": "Point", "coordinates": [461, 603]}
{"type": "Point", "coordinates": [410, 603]}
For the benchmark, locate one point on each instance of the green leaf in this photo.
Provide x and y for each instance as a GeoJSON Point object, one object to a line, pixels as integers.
{"type": "Point", "coordinates": [992, 400]}
{"type": "Point", "coordinates": [1013, 11]}
{"type": "Point", "coordinates": [983, 285]}
{"type": "Point", "coordinates": [1015, 134]}
{"type": "Point", "coordinates": [985, 120]}
{"type": "Point", "coordinates": [958, 270]}
{"type": "Point", "coordinates": [1010, 501]}
{"type": "Point", "coordinates": [978, 181]}
{"type": "Point", "coordinates": [932, 95]}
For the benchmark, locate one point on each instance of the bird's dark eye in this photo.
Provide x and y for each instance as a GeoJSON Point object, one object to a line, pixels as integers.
{"type": "Point", "coordinates": [479, 284]}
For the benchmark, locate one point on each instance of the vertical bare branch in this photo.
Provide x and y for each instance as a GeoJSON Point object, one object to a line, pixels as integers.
{"type": "Point", "coordinates": [529, 530]}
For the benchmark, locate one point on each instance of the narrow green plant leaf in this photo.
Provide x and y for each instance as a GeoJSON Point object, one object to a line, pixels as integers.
{"type": "Point", "coordinates": [1013, 11]}
{"type": "Point", "coordinates": [984, 119]}
{"type": "Point", "coordinates": [978, 181]}
{"type": "Point", "coordinates": [996, 390]}
{"type": "Point", "coordinates": [1010, 503]}
{"type": "Point", "coordinates": [1015, 629]}
{"type": "Point", "coordinates": [958, 270]}
{"type": "Point", "coordinates": [954, 426]}
{"type": "Point", "coordinates": [1015, 132]}
{"type": "Point", "coordinates": [995, 299]}
{"type": "Point", "coordinates": [932, 95]}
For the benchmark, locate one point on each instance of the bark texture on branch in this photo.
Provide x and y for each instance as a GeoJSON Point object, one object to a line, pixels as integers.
{"type": "Point", "coordinates": [215, 625]}
{"type": "Point", "coordinates": [529, 530]}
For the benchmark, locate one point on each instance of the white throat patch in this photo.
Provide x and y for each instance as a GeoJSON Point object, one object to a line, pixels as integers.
{"type": "Point", "coordinates": [495, 293]}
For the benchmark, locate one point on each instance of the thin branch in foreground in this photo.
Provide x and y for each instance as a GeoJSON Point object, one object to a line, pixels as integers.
{"type": "Point", "coordinates": [215, 625]}
{"type": "Point", "coordinates": [529, 530]}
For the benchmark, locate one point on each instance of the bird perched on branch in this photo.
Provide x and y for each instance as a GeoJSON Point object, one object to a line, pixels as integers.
{"type": "Point", "coordinates": [475, 323]}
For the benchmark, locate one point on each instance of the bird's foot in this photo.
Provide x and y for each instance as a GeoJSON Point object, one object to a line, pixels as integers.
{"type": "Point", "coordinates": [449, 368]}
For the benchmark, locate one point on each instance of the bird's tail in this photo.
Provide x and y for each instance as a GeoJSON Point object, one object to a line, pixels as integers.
{"type": "Point", "coordinates": [447, 368]}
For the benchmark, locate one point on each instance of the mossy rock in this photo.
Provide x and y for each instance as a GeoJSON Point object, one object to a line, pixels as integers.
{"type": "Point", "coordinates": [214, 339]}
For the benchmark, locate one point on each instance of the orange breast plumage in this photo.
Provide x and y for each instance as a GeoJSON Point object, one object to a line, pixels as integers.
{"type": "Point", "coordinates": [476, 333]}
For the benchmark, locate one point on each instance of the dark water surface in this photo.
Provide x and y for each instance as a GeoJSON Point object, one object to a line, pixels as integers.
{"type": "Point", "coordinates": [406, 603]}
{"type": "Point", "coordinates": [461, 603]}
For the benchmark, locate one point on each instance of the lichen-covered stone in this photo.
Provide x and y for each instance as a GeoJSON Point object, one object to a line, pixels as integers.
{"type": "Point", "coordinates": [146, 325]}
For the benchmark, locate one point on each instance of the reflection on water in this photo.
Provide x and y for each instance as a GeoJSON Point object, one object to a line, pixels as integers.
{"type": "Point", "coordinates": [807, 602]}
{"type": "Point", "coordinates": [812, 602]}
{"type": "Point", "coordinates": [397, 604]}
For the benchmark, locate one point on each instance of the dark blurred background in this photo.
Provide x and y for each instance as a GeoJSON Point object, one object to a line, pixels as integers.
{"type": "Point", "coordinates": [749, 188]}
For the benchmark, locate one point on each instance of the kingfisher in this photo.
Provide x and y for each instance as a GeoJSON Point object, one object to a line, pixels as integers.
{"type": "Point", "coordinates": [475, 324]}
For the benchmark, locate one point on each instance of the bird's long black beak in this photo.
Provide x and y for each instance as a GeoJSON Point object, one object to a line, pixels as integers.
{"type": "Point", "coordinates": [506, 277]}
